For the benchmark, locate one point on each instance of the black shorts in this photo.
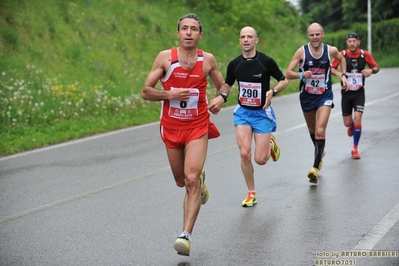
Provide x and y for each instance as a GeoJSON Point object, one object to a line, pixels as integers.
{"type": "Point", "coordinates": [352, 100]}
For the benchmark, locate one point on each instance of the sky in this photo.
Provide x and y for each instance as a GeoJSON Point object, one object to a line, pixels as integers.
{"type": "Point", "coordinates": [295, 2]}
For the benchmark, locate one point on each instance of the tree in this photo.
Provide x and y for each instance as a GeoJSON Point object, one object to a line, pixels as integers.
{"type": "Point", "coordinates": [334, 15]}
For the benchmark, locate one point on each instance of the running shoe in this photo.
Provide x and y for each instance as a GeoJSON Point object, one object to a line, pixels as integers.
{"type": "Point", "coordinates": [182, 245]}
{"type": "Point", "coordinates": [321, 161]}
{"type": "Point", "coordinates": [250, 200]}
{"type": "Point", "coordinates": [313, 175]}
{"type": "Point", "coordinates": [350, 131]}
{"type": "Point", "coordinates": [274, 149]}
{"type": "Point", "coordinates": [204, 189]}
{"type": "Point", "coordinates": [355, 154]}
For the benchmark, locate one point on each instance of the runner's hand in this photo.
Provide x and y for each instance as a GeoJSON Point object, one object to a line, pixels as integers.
{"type": "Point", "coordinates": [268, 101]}
{"type": "Point", "coordinates": [180, 95]}
{"type": "Point", "coordinates": [215, 105]}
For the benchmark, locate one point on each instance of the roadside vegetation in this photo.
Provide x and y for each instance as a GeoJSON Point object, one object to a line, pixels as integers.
{"type": "Point", "coordinates": [74, 68]}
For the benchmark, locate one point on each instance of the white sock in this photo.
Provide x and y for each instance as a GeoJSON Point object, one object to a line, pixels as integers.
{"type": "Point", "coordinates": [187, 234]}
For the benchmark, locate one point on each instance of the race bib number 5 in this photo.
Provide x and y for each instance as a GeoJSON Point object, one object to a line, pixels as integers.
{"type": "Point", "coordinates": [185, 110]}
{"type": "Point", "coordinates": [315, 84]}
{"type": "Point", "coordinates": [250, 93]}
{"type": "Point", "coordinates": [355, 81]}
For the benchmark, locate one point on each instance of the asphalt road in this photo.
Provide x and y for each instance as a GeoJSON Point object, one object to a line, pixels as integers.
{"type": "Point", "coordinates": [110, 199]}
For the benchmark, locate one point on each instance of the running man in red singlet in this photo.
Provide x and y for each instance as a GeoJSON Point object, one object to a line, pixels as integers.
{"type": "Point", "coordinates": [316, 95]}
{"type": "Point", "coordinates": [353, 97]}
{"type": "Point", "coordinates": [185, 124]}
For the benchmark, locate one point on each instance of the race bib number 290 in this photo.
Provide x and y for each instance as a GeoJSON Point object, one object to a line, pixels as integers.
{"type": "Point", "coordinates": [185, 110]}
{"type": "Point", "coordinates": [250, 93]}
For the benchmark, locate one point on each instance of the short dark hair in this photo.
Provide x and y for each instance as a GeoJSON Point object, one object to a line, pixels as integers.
{"type": "Point", "coordinates": [192, 16]}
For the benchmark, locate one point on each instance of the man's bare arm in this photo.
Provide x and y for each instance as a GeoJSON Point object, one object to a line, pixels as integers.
{"type": "Point", "coordinates": [217, 79]}
{"type": "Point", "coordinates": [342, 64]}
{"type": "Point", "coordinates": [296, 59]}
{"type": "Point", "coordinates": [150, 93]}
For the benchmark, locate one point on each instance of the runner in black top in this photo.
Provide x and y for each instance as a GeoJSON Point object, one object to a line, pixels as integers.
{"type": "Point", "coordinates": [255, 71]}
{"type": "Point", "coordinates": [253, 116]}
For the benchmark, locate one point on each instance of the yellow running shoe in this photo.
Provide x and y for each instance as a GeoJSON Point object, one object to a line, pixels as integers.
{"type": "Point", "coordinates": [321, 161]}
{"type": "Point", "coordinates": [250, 200]}
{"type": "Point", "coordinates": [313, 175]}
{"type": "Point", "coordinates": [274, 149]}
{"type": "Point", "coordinates": [204, 189]}
{"type": "Point", "coordinates": [182, 245]}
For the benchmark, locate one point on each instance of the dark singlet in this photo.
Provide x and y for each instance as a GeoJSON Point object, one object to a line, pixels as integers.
{"type": "Point", "coordinates": [321, 71]}
{"type": "Point", "coordinates": [354, 67]}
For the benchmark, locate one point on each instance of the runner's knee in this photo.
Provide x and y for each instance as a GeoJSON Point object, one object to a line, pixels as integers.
{"type": "Point", "coordinates": [192, 180]}
{"type": "Point", "coordinates": [261, 161]}
{"type": "Point", "coordinates": [180, 182]}
{"type": "Point", "coordinates": [245, 155]}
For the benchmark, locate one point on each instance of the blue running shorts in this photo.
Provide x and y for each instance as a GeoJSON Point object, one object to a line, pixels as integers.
{"type": "Point", "coordinates": [261, 121]}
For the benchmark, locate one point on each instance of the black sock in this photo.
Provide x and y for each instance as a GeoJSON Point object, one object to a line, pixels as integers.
{"type": "Point", "coordinates": [312, 136]}
{"type": "Point", "coordinates": [318, 153]}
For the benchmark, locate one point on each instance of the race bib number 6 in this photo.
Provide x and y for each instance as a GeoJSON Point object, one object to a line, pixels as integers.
{"type": "Point", "coordinates": [185, 110]}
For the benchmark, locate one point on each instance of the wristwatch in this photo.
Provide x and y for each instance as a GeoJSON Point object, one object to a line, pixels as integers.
{"type": "Point", "coordinates": [224, 95]}
{"type": "Point", "coordinates": [275, 91]}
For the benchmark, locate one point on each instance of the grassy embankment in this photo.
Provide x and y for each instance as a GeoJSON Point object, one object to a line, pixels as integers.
{"type": "Point", "coordinates": [76, 68]}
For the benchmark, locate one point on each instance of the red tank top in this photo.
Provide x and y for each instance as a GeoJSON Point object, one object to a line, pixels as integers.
{"type": "Point", "coordinates": [184, 115]}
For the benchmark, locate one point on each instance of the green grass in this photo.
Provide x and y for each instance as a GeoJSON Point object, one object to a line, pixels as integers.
{"type": "Point", "coordinates": [386, 59]}
{"type": "Point", "coordinates": [74, 68]}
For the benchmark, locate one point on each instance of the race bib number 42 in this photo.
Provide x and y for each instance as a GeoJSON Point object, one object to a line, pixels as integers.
{"type": "Point", "coordinates": [315, 84]}
{"type": "Point", "coordinates": [185, 110]}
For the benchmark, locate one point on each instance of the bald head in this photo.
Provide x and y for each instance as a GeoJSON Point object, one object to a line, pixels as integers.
{"type": "Point", "coordinates": [248, 30]}
{"type": "Point", "coordinates": [315, 35]}
{"type": "Point", "coordinates": [248, 40]}
{"type": "Point", "coordinates": [315, 27]}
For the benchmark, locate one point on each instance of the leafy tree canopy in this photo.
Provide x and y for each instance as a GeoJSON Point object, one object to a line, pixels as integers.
{"type": "Point", "coordinates": [341, 14]}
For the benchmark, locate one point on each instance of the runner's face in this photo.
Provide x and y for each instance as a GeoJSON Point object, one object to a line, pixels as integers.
{"type": "Point", "coordinates": [189, 33]}
{"type": "Point", "coordinates": [352, 44]}
{"type": "Point", "coordinates": [248, 40]}
{"type": "Point", "coordinates": [315, 35]}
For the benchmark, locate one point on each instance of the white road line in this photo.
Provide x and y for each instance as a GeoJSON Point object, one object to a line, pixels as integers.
{"type": "Point", "coordinates": [151, 124]}
{"type": "Point", "coordinates": [371, 103]}
{"type": "Point", "coordinates": [79, 196]}
{"type": "Point", "coordinates": [67, 143]}
{"type": "Point", "coordinates": [60, 202]}
{"type": "Point", "coordinates": [382, 99]}
{"type": "Point", "coordinates": [374, 236]}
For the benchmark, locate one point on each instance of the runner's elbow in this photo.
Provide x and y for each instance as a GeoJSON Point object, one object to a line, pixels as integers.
{"type": "Point", "coordinates": [145, 95]}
